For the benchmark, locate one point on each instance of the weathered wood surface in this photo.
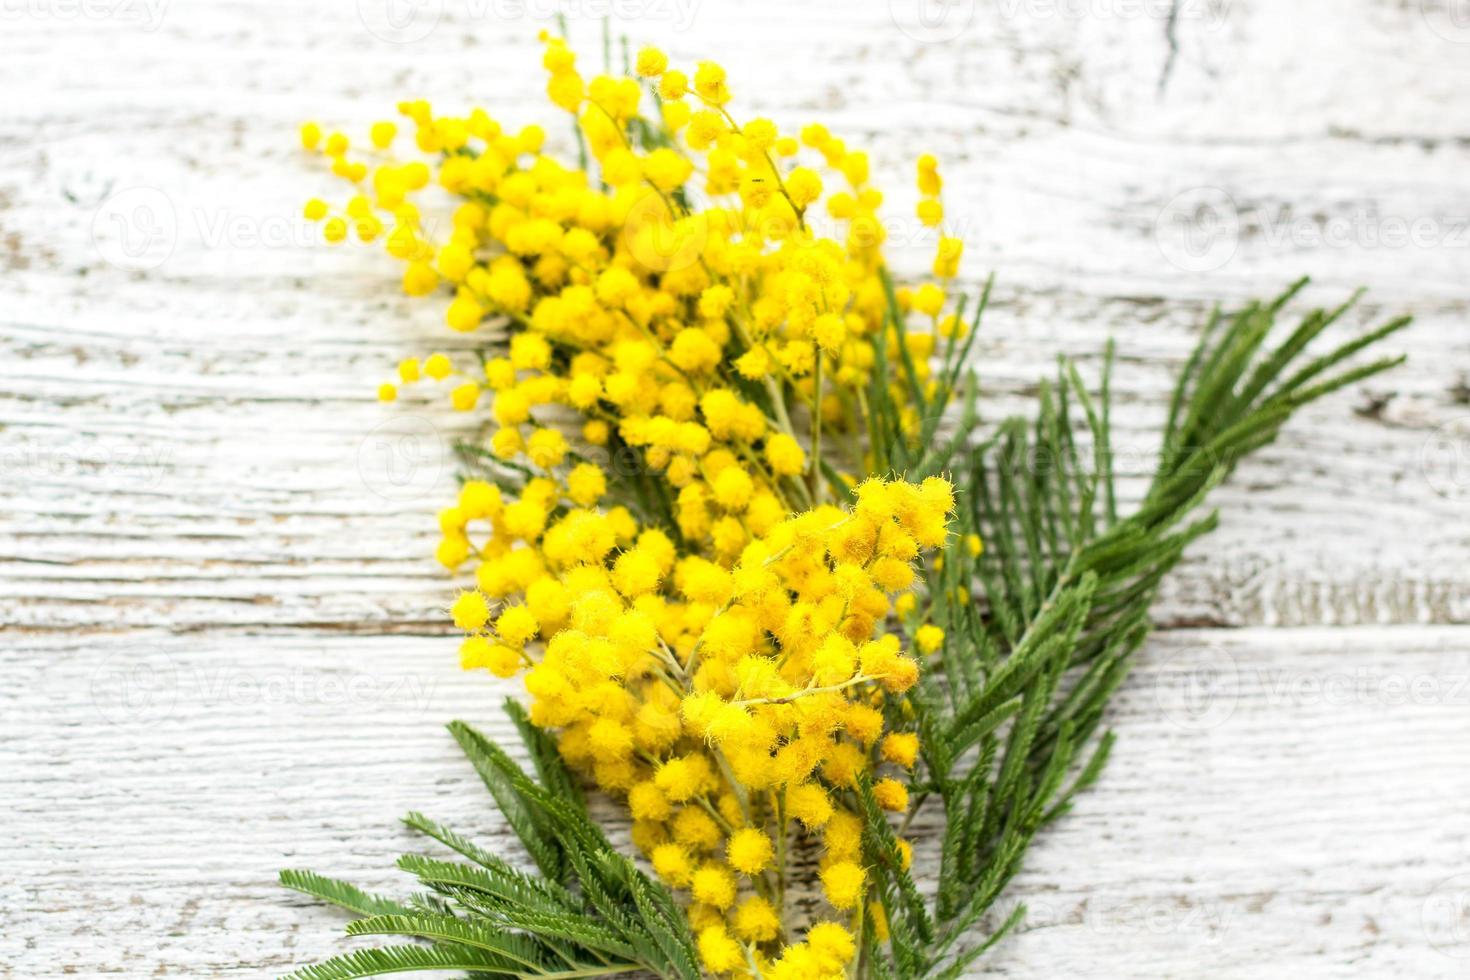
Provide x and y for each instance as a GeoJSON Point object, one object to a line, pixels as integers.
{"type": "Point", "coordinates": [222, 650]}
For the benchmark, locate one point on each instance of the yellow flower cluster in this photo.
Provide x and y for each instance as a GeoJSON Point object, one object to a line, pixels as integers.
{"type": "Point", "coordinates": [703, 626]}
{"type": "Point", "coordinates": [677, 330]}
{"type": "Point", "coordinates": [731, 706]}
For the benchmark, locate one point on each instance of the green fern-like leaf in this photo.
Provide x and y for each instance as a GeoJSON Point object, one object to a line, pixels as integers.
{"type": "Point", "coordinates": [340, 893]}
{"type": "Point", "coordinates": [513, 953]}
{"type": "Point", "coordinates": [1010, 714]}
{"type": "Point", "coordinates": [403, 959]}
{"type": "Point", "coordinates": [598, 916]}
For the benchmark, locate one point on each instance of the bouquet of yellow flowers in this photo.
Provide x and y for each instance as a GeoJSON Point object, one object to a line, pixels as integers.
{"type": "Point", "coordinates": [735, 520]}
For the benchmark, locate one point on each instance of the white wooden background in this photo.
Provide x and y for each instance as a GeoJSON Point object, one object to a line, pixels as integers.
{"type": "Point", "coordinates": [222, 651]}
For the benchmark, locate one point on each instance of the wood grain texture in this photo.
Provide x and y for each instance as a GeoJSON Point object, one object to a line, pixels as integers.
{"type": "Point", "coordinates": [223, 651]}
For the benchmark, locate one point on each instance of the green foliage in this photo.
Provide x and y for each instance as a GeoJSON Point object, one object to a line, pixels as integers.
{"type": "Point", "coordinates": [892, 450]}
{"type": "Point", "coordinates": [589, 913]}
{"type": "Point", "coordinates": [1010, 710]}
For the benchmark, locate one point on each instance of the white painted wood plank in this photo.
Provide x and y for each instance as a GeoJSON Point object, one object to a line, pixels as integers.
{"type": "Point", "coordinates": [1280, 801]}
{"type": "Point", "coordinates": [250, 330]}
{"type": "Point", "coordinates": [195, 502]}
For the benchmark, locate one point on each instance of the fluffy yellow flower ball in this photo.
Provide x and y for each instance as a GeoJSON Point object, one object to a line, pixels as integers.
{"type": "Point", "coordinates": [718, 951]}
{"type": "Point", "coordinates": [470, 611]}
{"type": "Point", "coordinates": [714, 885]}
{"type": "Point", "coordinates": [749, 851]}
{"type": "Point", "coordinates": [651, 62]}
{"type": "Point", "coordinates": [843, 882]}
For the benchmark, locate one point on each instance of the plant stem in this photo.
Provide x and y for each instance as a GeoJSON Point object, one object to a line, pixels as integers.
{"type": "Point", "coordinates": [817, 485]}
